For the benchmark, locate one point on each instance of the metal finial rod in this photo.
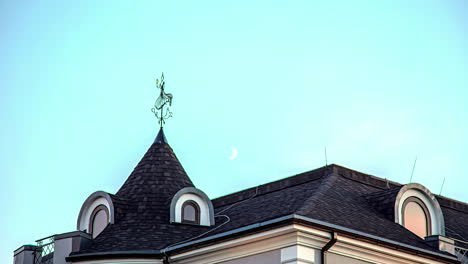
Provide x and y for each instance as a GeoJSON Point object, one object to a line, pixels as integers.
{"type": "Point", "coordinates": [160, 120]}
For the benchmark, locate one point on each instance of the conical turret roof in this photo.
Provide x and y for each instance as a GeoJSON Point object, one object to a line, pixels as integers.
{"type": "Point", "coordinates": [159, 175]}
{"type": "Point", "coordinates": [142, 204]}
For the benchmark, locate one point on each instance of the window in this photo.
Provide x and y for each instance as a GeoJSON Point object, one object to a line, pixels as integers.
{"type": "Point", "coordinates": [190, 213]}
{"type": "Point", "coordinates": [416, 217]}
{"type": "Point", "coordinates": [99, 220]}
{"type": "Point", "coordinates": [191, 206]}
{"type": "Point", "coordinates": [418, 210]}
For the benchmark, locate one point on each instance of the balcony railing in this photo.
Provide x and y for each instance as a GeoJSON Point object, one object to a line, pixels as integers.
{"type": "Point", "coordinates": [462, 254]}
{"type": "Point", "coordinates": [44, 253]}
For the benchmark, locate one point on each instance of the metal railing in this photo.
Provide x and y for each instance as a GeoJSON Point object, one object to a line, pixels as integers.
{"type": "Point", "coordinates": [44, 253]}
{"type": "Point", "coordinates": [462, 254]}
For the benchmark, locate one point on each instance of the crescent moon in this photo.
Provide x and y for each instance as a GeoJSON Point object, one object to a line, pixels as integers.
{"type": "Point", "coordinates": [234, 153]}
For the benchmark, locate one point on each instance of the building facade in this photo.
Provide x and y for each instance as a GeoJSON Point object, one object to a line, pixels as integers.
{"type": "Point", "coordinates": [328, 215]}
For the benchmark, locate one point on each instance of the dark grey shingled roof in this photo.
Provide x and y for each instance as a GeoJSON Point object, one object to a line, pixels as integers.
{"type": "Point", "coordinates": [332, 194]}
{"type": "Point", "coordinates": [142, 204]}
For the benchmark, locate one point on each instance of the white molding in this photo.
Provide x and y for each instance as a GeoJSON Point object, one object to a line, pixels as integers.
{"type": "Point", "coordinates": [239, 248]}
{"type": "Point", "coordinates": [422, 193]}
{"type": "Point", "coordinates": [374, 237]}
{"type": "Point", "coordinates": [302, 241]}
{"type": "Point", "coordinates": [86, 214]}
{"type": "Point", "coordinates": [202, 204]}
{"type": "Point", "coordinates": [435, 230]}
{"type": "Point", "coordinates": [190, 193]}
{"type": "Point", "coordinates": [373, 253]}
{"type": "Point", "coordinates": [299, 254]}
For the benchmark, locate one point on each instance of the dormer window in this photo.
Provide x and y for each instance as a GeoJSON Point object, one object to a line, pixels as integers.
{"type": "Point", "coordinates": [192, 206]}
{"type": "Point", "coordinates": [96, 213]}
{"type": "Point", "coordinates": [190, 213]}
{"type": "Point", "coordinates": [418, 210]}
{"type": "Point", "coordinates": [416, 217]}
{"type": "Point", "coordinates": [99, 220]}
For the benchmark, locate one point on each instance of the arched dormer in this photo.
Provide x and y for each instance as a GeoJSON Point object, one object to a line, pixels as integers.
{"type": "Point", "coordinates": [192, 206]}
{"type": "Point", "coordinates": [417, 209]}
{"type": "Point", "coordinates": [96, 213]}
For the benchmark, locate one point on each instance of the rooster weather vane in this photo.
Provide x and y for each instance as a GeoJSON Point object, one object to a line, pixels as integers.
{"type": "Point", "coordinates": [163, 99]}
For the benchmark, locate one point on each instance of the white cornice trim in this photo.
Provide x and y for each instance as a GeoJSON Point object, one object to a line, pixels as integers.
{"type": "Point", "coordinates": [298, 235]}
{"type": "Point", "coordinates": [349, 230]}
{"type": "Point", "coordinates": [318, 222]}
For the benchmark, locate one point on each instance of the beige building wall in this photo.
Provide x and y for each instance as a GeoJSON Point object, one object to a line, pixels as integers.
{"type": "Point", "coordinates": [271, 257]}
{"type": "Point", "coordinates": [338, 259]}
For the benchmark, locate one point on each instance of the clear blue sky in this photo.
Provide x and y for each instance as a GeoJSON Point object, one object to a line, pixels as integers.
{"type": "Point", "coordinates": [376, 82]}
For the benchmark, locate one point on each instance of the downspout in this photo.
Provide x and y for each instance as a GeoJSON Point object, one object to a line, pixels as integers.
{"type": "Point", "coordinates": [334, 238]}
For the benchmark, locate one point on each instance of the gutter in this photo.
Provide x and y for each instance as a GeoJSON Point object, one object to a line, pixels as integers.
{"type": "Point", "coordinates": [334, 238]}
{"type": "Point", "coordinates": [273, 222]}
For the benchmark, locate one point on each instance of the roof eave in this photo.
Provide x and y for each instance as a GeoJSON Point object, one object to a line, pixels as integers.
{"type": "Point", "coordinates": [115, 254]}
{"type": "Point", "coordinates": [293, 218]}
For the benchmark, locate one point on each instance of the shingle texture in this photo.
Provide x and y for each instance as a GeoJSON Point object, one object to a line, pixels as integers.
{"type": "Point", "coordinates": [142, 204]}
{"type": "Point", "coordinates": [331, 194]}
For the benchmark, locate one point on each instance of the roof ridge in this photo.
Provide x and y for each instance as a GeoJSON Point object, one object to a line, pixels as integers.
{"type": "Point", "coordinates": [325, 185]}
{"type": "Point", "coordinates": [304, 177]}
{"type": "Point", "coordinates": [381, 183]}
{"type": "Point", "coordinates": [366, 178]}
{"type": "Point", "coordinates": [452, 203]}
{"type": "Point", "coordinates": [274, 186]}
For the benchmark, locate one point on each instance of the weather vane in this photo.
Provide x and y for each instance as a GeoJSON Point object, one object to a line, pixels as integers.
{"type": "Point", "coordinates": [163, 99]}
